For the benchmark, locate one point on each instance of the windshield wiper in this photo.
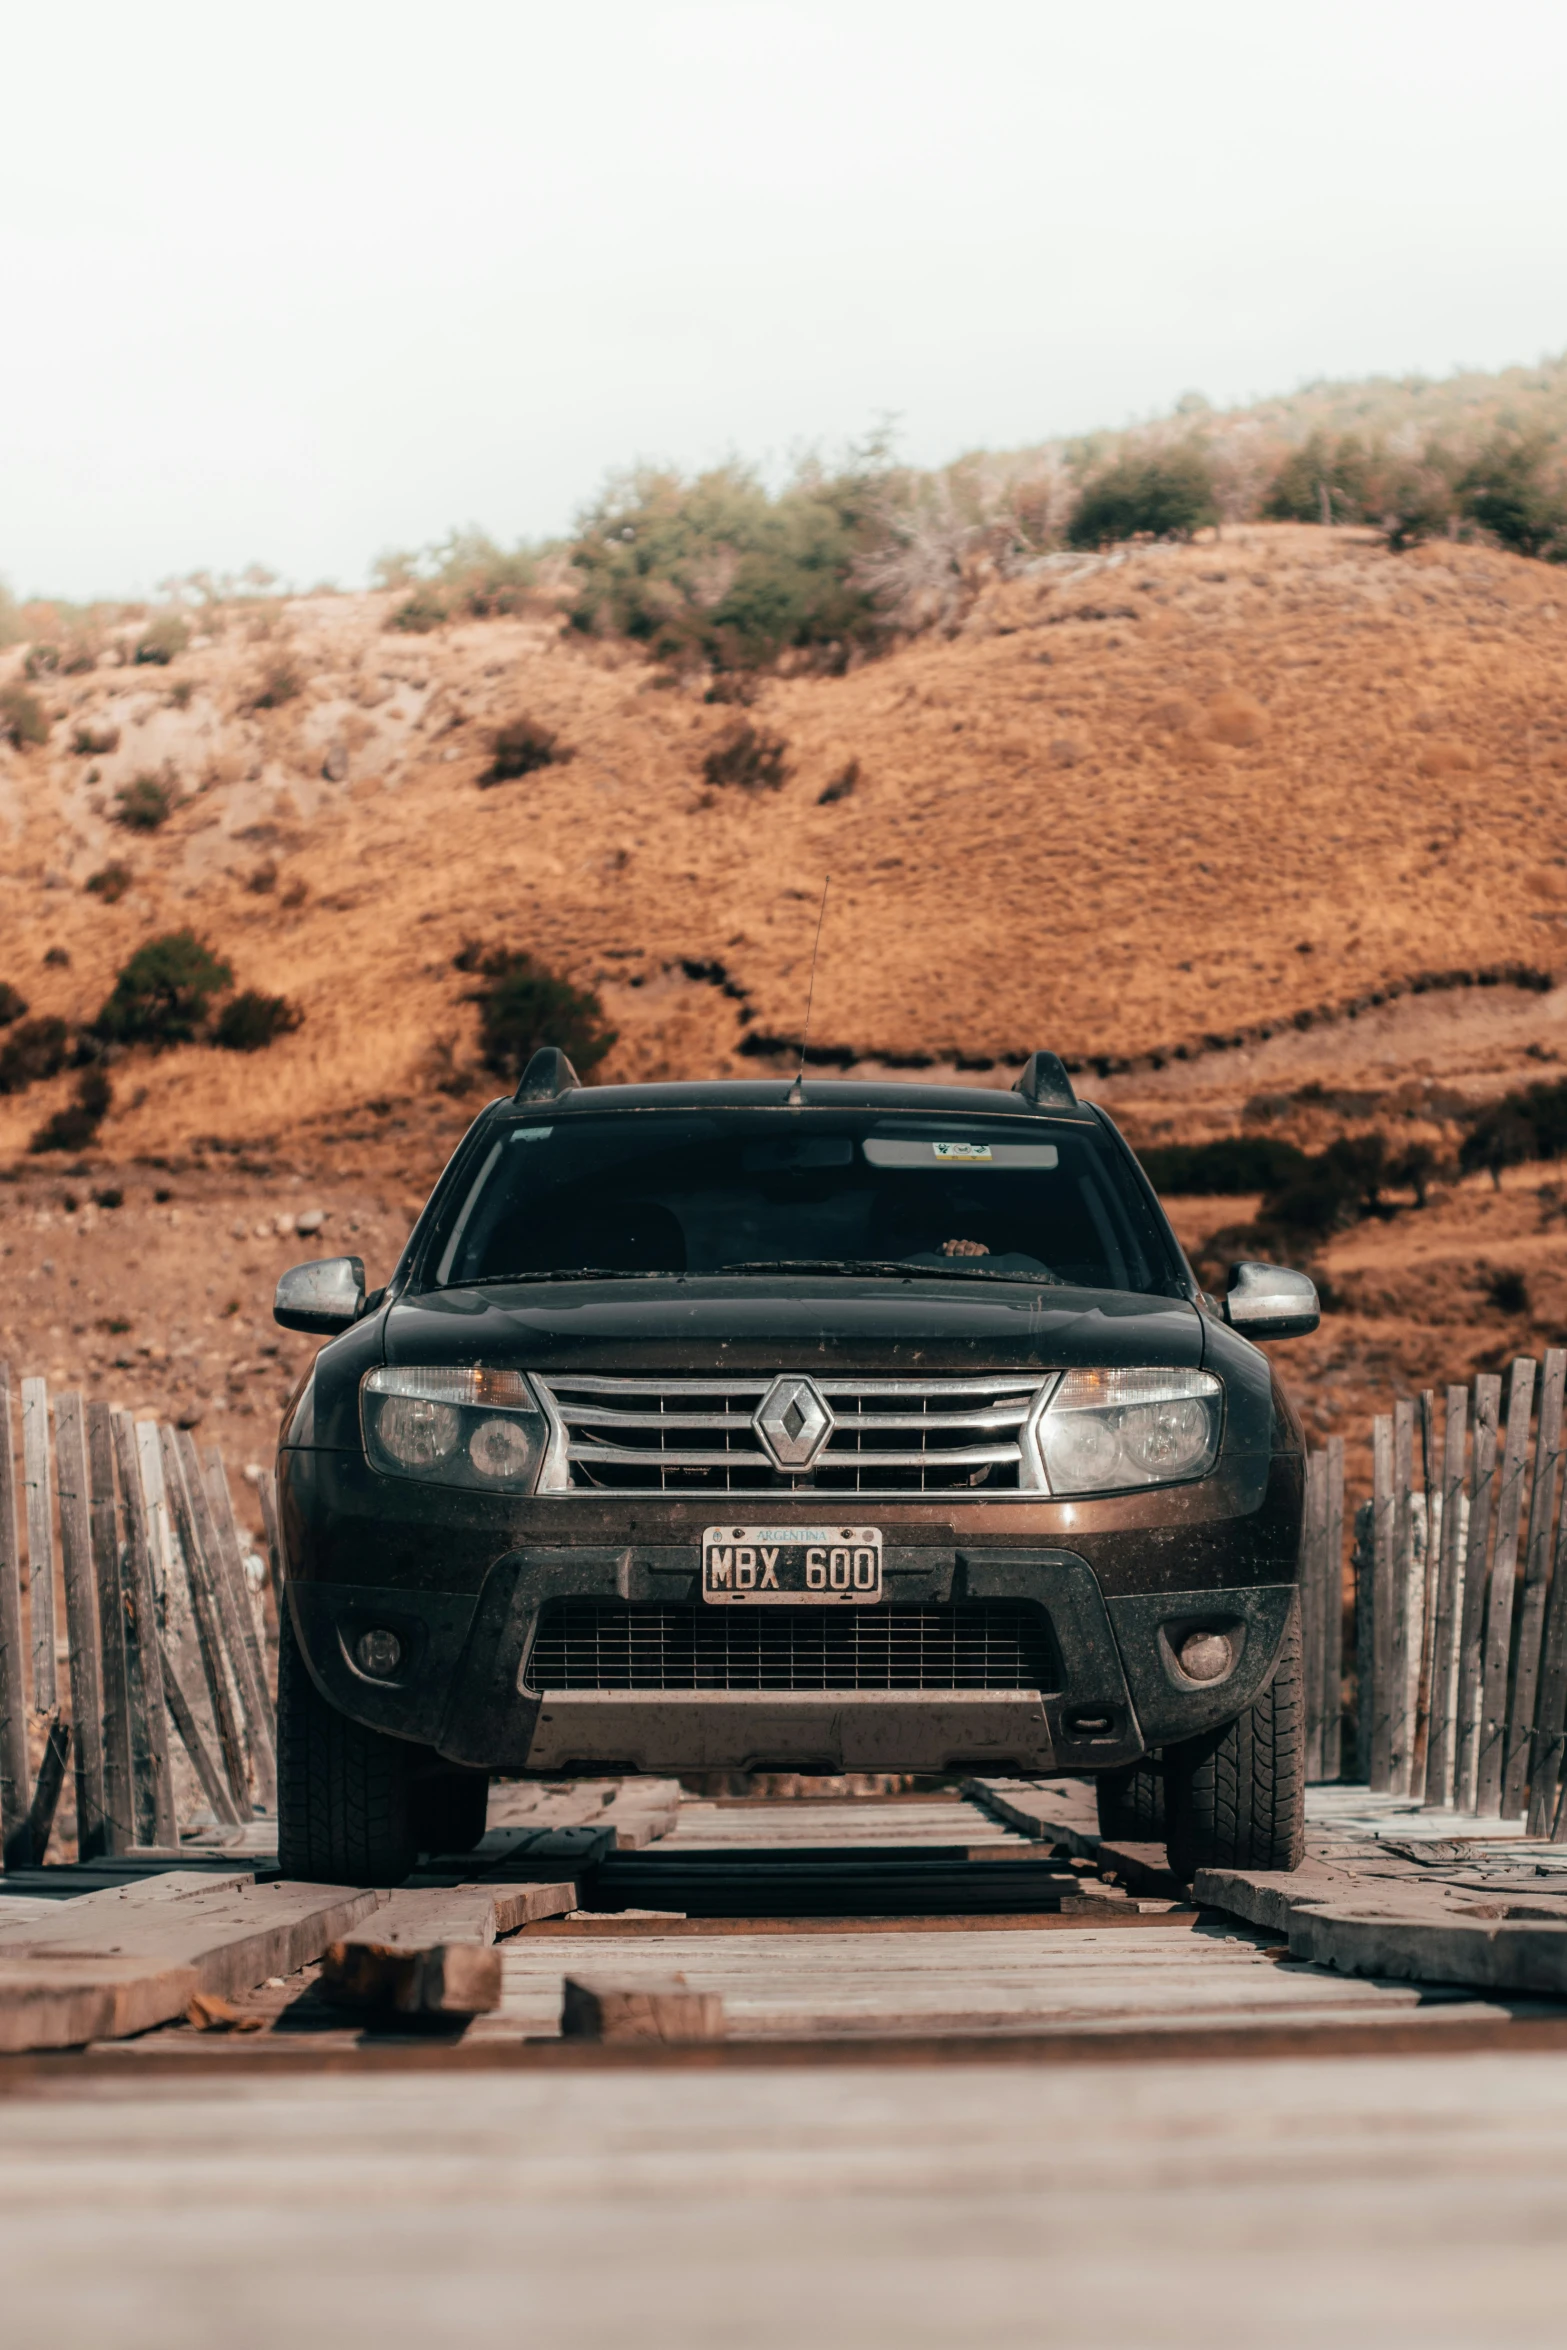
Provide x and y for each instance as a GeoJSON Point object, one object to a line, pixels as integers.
{"type": "Point", "coordinates": [958, 1269]}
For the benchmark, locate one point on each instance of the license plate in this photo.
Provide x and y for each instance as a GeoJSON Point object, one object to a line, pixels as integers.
{"type": "Point", "coordinates": [748, 1566]}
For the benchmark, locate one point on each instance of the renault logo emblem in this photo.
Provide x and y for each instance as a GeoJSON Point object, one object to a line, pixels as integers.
{"type": "Point", "coordinates": [793, 1422]}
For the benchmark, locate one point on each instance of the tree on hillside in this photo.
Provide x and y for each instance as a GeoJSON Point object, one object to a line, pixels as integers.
{"type": "Point", "coordinates": [1513, 487]}
{"type": "Point", "coordinates": [1157, 493]}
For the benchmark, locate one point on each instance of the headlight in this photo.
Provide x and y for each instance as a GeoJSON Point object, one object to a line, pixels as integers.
{"type": "Point", "coordinates": [478, 1428]}
{"type": "Point", "coordinates": [1104, 1429]}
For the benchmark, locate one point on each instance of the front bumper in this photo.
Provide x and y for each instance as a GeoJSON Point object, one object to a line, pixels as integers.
{"type": "Point", "coordinates": [463, 1684]}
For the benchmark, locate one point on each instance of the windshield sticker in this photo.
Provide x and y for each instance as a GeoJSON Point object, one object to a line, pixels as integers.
{"type": "Point", "coordinates": [886, 1150]}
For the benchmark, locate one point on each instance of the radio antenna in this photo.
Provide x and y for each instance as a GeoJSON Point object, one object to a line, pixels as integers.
{"type": "Point", "coordinates": [797, 1090]}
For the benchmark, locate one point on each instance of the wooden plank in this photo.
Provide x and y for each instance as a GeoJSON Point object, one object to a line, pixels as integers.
{"type": "Point", "coordinates": [443, 1979]}
{"type": "Point", "coordinates": [40, 1541]}
{"type": "Point", "coordinates": [1550, 1713]}
{"type": "Point", "coordinates": [124, 1960]}
{"type": "Point", "coordinates": [1363, 1570]}
{"type": "Point", "coordinates": [240, 1618]}
{"type": "Point", "coordinates": [1503, 1592]}
{"type": "Point", "coordinates": [1313, 1569]}
{"type": "Point", "coordinates": [81, 1623]}
{"type": "Point", "coordinates": [48, 1787]}
{"type": "Point", "coordinates": [1383, 1585]}
{"type": "Point", "coordinates": [1482, 1496]}
{"type": "Point", "coordinates": [154, 1767]}
{"type": "Point", "coordinates": [1407, 1615]}
{"type": "Point", "coordinates": [208, 1624]}
{"type": "Point", "coordinates": [15, 1834]}
{"type": "Point", "coordinates": [253, 1705]}
{"type": "Point", "coordinates": [598, 2008]}
{"type": "Point", "coordinates": [1445, 1611]}
{"type": "Point", "coordinates": [119, 1795]}
{"type": "Point", "coordinates": [1524, 1691]}
{"type": "Point", "coordinates": [1333, 1611]}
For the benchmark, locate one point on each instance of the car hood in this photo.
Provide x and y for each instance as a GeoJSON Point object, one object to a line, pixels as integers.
{"type": "Point", "coordinates": [744, 1323]}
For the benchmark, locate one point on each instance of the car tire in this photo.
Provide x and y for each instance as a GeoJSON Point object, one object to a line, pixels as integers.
{"type": "Point", "coordinates": [451, 1807]}
{"type": "Point", "coordinates": [1131, 1802]}
{"type": "Point", "coordinates": [1237, 1797]}
{"type": "Point", "coordinates": [346, 1801]}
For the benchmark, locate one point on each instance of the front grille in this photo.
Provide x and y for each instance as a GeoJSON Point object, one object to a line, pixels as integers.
{"type": "Point", "coordinates": [977, 1644]}
{"type": "Point", "coordinates": [639, 1434]}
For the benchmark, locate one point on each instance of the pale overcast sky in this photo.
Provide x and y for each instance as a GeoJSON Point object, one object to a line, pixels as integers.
{"type": "Point", "coordinates": [299, 282]}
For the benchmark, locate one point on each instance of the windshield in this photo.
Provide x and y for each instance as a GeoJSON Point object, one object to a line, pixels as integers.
{"type": "Point", "coordinates": [671, 1193]}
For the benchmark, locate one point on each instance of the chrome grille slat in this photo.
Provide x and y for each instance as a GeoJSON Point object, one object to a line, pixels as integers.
{"type": "Point", "coordinates": [975, 1644]}
{"type": "Point", "coordinates": [640, 1432]}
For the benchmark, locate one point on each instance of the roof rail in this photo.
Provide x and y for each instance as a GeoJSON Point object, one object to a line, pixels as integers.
{"type": "Point", "coordinates": [548, 1075]}
{"type": "Point", "coordinates": [1045, 1083]}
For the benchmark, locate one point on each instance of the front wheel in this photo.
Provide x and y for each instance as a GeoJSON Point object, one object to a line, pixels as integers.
{"type": "Point", "coordinates": [346, 1795]}
{"type": "Point", "coordinates": [1236, 1798]}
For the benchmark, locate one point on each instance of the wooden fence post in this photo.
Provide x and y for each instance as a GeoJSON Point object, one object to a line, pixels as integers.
{"type": "Point", "coordinates": [1523, 1694]}
{"type": "Point", "coordinates": [208, 1623]}
{"type": "Point", "coordinates": [272, 1595]}
{"type": "Point", "coordinates": [1503, 1592]}
{"type": "Point", "coordinates": [252, 1699]}
{"type": "Point", "coordinates": [1431, 1519]}
{"type": "Point", "coordinates": [1382, 1585]}
{"type": "Point", "coordinates": [40, 1542]}
{"type": "Point", "coordinates": [1445, 1612]}
{"type": "Point", "coordinates": [119, 1792]}
{"type": "Point", "coordinates": [1487, 1407]}
{"type": "Point", "coordinates": [1405, 1659]}
{"type": "Point", "coordinates": [155, 1774]}
{"type": "Point", "coordinates": [1333, 1612]}
{"type": "Point", "coordinates": [1363, 1568]}
{"type": "Point", "coordinates": [250, 1669]}
{"type": "Point", "coordinates": [1550, 1712]}
{"type": "Point", "coordinates": [16, 1842]}
{"type": "Point", "coordinates": [81, 1624]}
{"type": "Point", "coordinates": [1312, 1579]}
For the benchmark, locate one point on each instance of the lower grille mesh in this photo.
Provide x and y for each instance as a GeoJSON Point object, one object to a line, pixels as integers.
{"type": "Point", "coordinates": [977, 1644]}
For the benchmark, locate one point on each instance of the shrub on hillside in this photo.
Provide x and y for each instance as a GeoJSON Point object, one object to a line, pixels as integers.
{"type": "Point", "coordinates": [22, 720]}
{"type": "Point", "coordinates": [1417, 498]}
{"type": "Point", "coordinates": [1531, 1124]}
{"type": "Point", "coordinates": [163, 994]}
{"type": "Point", "coordinates": [523, 1006]}
{"type": "Point", "coordinates": [162, 641]}
{"type": "Point", "coordinates": [280, 682]}
{"type": "Point", "coordinates": [521, 748]}
{"type": "Point", "coordinates": [13, 1004]}
{"type": "Point", "coordinates": [419, 613]}
{"type": "Point", "coordinates": [34, 1050]}
{"type": "Point", "coordinates": [718, 569]}
{"type": "Point", "coordinates": [41, 661]}
{"type": "Point", "coordinates": [1321, 481]}
{"type": "Point", "coordinates": [145, 803]}
{"type": "Point", "coordinates": [1224, 1168]}
{"type": "Point", "coordinates": [748, 758]}
{"type": "Point", "coordinates": [76, 1126]}
{"type": "Point", "coordinates": [1156, 493]}
{"type": "Point", "coordinates": [94, 742]}
{"type": "Point", "coordinates": [110, 883]}
{"type": "Point", "coordinates": [1513, 487]}
{"type": "Point", "coordinates": [252, 1021]}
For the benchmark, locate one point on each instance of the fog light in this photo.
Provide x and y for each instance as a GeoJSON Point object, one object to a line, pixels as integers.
{"type": "Point", "coordinates": [379, 1653]}
{"type": "Point", "coordinates": [1206, 1656]}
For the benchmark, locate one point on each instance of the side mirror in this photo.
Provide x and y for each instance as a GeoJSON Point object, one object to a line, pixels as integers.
{"type": "Point", "coordinates": [323, 1297]}
{"type": "Point", "coordinates": [1269, 1301]}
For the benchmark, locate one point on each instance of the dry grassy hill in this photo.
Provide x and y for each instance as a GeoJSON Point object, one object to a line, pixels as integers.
{"type": "Point", "coordinates": [1137, 802]}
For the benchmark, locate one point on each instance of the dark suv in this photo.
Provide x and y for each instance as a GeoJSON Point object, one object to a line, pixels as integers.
{"type": "Point", "coordinates": [817, 1427]}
